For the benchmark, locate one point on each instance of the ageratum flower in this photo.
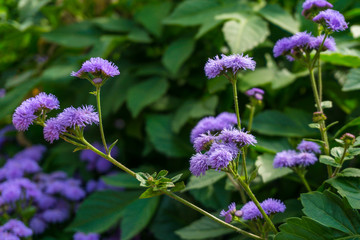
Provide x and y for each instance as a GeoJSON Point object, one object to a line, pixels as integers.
{"type": "Point", "coordinates": [84, 236]}
{"type": "Point", "coordinates": [270, 206]}
{"type": "Point", "coordinates": [307, 146]}
{"type": "Point", "coordinates": [332, 20]}
{"type": "Point", "coordinates": [38, 225]}
{"type": "Point", "coordinates": [81, 116]}
{"type": "Point", "coordinates": [256, 93]}
{"type": "Point", "coordinates": [233, 135]}
{"type": "Point", "coordinates": [314, 6]}
{"type": "Point", "coordinates": [198, 164]}
{"type": "Point", "coordinates": [305, 159]}
{"type": "Point", "coordinates": [233, 63]}
{"type": "Point", "coordinates": [101, 69]}
{"type": "Point", "coordinates": [31, 108]}
{"type": "Point", "coordinates": [285, 159]}
{"type": "Point", "coordinates": [203, 142]}
{"type": "Point", "coordinates": [229, 213]}
{"type": "Point", "coordinates": [329, 43]}
{"type": "Point", "coordinates": [220, 155]}
{"type": "Point", "coordinates": [16, 228]}
{"type": "Point", "coordinates": [53, 129]}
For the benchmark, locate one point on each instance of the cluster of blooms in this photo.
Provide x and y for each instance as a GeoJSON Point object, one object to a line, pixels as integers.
{"type": "Point", "coordinates": [313, 7]}
{"type": "Point", "coordinates": [255, 93]}
{"type": "Point", "coordinates": [250, 212]}
{"type": "Point", "coordinates": [14, 230]}
{"type": "Point", "coordinates": [233, 63]}
{"type": "Point", "coordinates": [217, 143]}
{"type": "Point", "coordinates": [291, 158]}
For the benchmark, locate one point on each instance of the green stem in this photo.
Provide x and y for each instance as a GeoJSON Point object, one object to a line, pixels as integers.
{"type": "Point", "coordinates": [341, 162]}
{"type": "Point", "coordinates": [243, 155]}
{"type": "Point", "coordinates": [196, 208]}
{"type": "Point", "coordinates": [238, 187]}
{"type": "Point", "coordinates": [100, 120]}
{"type": "Point", "coordinates": [254, 199]}
{"type": "Point", "coordinates": [251, 117]}
{"type": "Point", "coordinates": [320, 80]}
{"type": "Point", "coordinates": [233, 82]}
{"type": "Point", "coordinates": [303, 179]}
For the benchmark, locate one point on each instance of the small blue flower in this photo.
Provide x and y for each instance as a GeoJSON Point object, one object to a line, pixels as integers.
{"type": "Point", "coordinates": [332, 19]}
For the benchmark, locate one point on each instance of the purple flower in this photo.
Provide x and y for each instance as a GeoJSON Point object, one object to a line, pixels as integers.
{"type": "Point", "coordinates": [34, 152]}
{"type": "Point", "coordinates": [58, 214]}
{"type": "Point", "coordinates": [235, 62]}
{"type": "Point", "coordinates": [53, 129]}
{"type": "Point", "coordinates": [250, 211]}
{"type": "Point", "coordinates": [220, 155]}
{"type": "Point", "coordinates": [225, 120]}
{"type": "Point", "coordinates": [2, 92]}
{"type": "Point", "coordinates": [285, 159]}
{"type": "Point", "coordinates": [98, 67]}
{"type": "Point", "coordinates": [203, 142]}
{"type": "Point", "coordinates": [282, 47]}
{"type": "Point", "coordinates": [305, 159]}
{"type": "Point", "coordinates": [313, 6]}
{"type": "Point", "coordinates": [45, 101]}
{"type": "Point", "coordinates": [83, 236]}
{"type": "Point", "coordinates": [271, 205]}
{"type": "Point", "coordinates": [236, 136]}
{"type": "Point", "coordinates": [257, 93]}
{"type": "Point", "coordinates": [17, 228]}
{"type": "Point", "coordinates": [198, 164]}
{"type": "Point", "coordinates": [81, 116]}
{"type": "Point", "coordinates": [8, 236]}
{"type": "Point", "coordinates": [228, 214]}
{"type": "Point", "coordinates": [329, 43]}
{"type": "Point", "coordinates": [38, 225]}
{"type": "Point", "coordinates": [292, 45]}
{"type": "Point", "coordinates": [307, 146]}
{"type": "Point", "coordinates": [333, 20]}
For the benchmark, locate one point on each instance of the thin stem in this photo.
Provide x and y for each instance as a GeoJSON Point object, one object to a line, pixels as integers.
{"type": "Point", "coordinates": [303, 179]}
{"type": "Point", "coordinates": [254, 199]}
{"type": "Point", "coordinates": [341, 162]}
{"type": "Point", "coordinates": [233, 82]}
{"type": "Point", "coordinates": [100, 120]}
{"type": "Point", "coordinates": [238, 187]}
{"type": "Point", "coordinates": [196, 208]}
{"type": "Point", "coordinates": [320, 86]}
{"type": "Point", "coordinates": [251, 117]}
{"type": "Point", "coordinates": [315, 90]}
{"type": "Point", "coordinates": [243, 155]}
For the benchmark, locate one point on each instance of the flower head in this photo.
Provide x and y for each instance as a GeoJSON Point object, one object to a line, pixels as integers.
{"type": "Point", "coordinates": [314, 6]}
{"type": "Point", "coordinates": [38, 225]}
{"type": "Point", "coordinates": [256, 93]}
{"type": "Point", "coordinates": [220, 155]}
{"type": "Point", "coordinates": [250, 211]}
{"type": "Point", "coordinates": [98, 67]}
{"type": "Point", "coordinates": [229, 213]}
{"type": "Point", "coordinates": [53, 129]}
{"type": "Point", "coordinates": [307, 146]}
{"type": "Point", "coordinates": [198, 164]}
{"type": "Point", "coordinates": [329, 43]}
{"type": "Point", "coordinates": [305, 159]}
{"type": "Point", "coordinates": [84, 236]}
{"type": "Point", "coordinates": [285, 159]}
{"type": "Point", "coordinates": [17, 228]}
{"type": "Point", "coordinates": [236, 136]}
{"type": "Point", "coordinates": [271, 205]}
{"type": "Point", "coordinates": [332, 19]}
{"type": "Point", "coordinates": [81, 116]}
{"type": "Point", "coordinates": [203, 142]}
{"type": "Point", "coordinates": [282, 47]}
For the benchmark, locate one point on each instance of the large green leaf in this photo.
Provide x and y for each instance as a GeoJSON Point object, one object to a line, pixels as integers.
{"type": "Point", "coordinates": [331, 211]}
{"type": "Point", "coordinates": [158, 127]}
{"type": "Point", "coordinates": [260, 77]}
{"type": "Point", "coordinates": [208, 179]}
{"type": "Point", "coordinates": [177, 53]}
{"type": "Point", "coordinates": [114, 24]}
{"type": "Point", "coordinates": [121, 180]}
{"type": "Point", "coordinates": [306, 229]}
{"type": "Point", "coordinates": [352, 80]}
{"type": "Point", "coordinates": [102, 210]}
{"type": "Point", "coordinates": [194, 109]}
{"type": "Point", "coordinates": [348, 187]}
{"type": "Point", "coordinates": [204, 228]}
{"type": "Point", "coordinates": [136, 216]}
{"type": "Point", "coordinates": [267, 171]}
{"type": "Point", "coordinates": [342, 57]}
{"type": "Point", "coordinates": [278, 16]}
{"type": "Point", "coordinates": [349, 172]}
{"type": "Point", "coordinates": [271, 144]}
{"type": "Point", "coordinates": [244, 32]}
{"type": "Point", "coordinates": [151, 16]}
{"type": "Point", "coordinates": [146, 93]}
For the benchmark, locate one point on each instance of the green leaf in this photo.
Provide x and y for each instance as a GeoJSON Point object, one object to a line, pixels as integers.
{"type": "Point", "coordinates": [121, 180]}
{"type": "Point", "coordinates": [114, 24]}
{"type": "Point", "coordinates": [331, 211]}
{"type": "Point", "coordinates": [76, 35]}
{"type": "Point", "coordinates": [112, 145]}
{"type": "Point", "coordinates": [139, 35]}
{"type": "Point", "coordinates": [271, 144]}
{"type": "Point", "coordinates": [314, 125]}
{"type": "Point", "coordinates": [327, 160]}
{"type": "Point", "coordinates": [149, 193]}
{"type": "Point", "coordinates": [305, 229]}
{"type": "Point", "coordinates": [162, 173]}
{"type": "Point", "coordinates": [151, 16]}
{"type": "Point", "coordinates": [279, 17]}
{"type": "Point", "coordinates": [348, 187]}
{"type": "Point", "coordinates": [352, 80]}
{"type": "Point", "coordinates": [194, 109]}
{"type": "Point", "coordinates": [146, 93]}
{"type": "Point", "coordinates": [349, 172]}
{"type": "Point", "coordinates": [260, 77]}
{"type": "Point", "coordinates": [136, 216]}
{"type": "Point", "coordinates": [337, 152]}
{"type": "Point", "coordinates": [209, 178]}
{"type": "Point", "coordinates": [282, 79]}
{"type": "Point", "coordinates": [179, 186]}
{"type": "Point", "coordinates": [101, 210]}
{"type": "Point", "coordinates": [354, 122]}
{"type": "Point", "coordinates": [267, 171]}
{"type": "Point", "coordinates": [177, 53]}
{"type": "Point", "coordinates": [158, 127]}
{"type": "Point", "coordinates": [244, 32]}
{"type": "Point", "coordinates": [342, 57]}
{"type": "Point", "coordinates": [204, 228]}
{"type": "Point", "coordinates": [176, 178]}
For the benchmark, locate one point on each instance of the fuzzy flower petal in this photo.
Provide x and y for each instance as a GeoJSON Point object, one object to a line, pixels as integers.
{"type": "Point", "coordinates": [220, 155]}
{"type": "Point", "coordinates": [271, 205]}
{"type": "Point", "coordinates": [203, 142]}
{"type": "Point", "coordinates": [97, 67]}
{"type": "Point", "coordinates": [198, 164]}
{"type": "Point", "coordinates": [333, 20]}
{"type": "Point", "coordinates": [313, 6]}
{"type": "Point", "coordinates": [228, 214]}
{"type": "Point", "coordinates": [53, 129]}
{"type": "Point", "coordinates": [81, 116]}
{"type": "Point", "coordinates": [285, 159]}
{"type": "Point", "coordinates": [307, 146]}
{"type": "Point", "coordinates": [305, 159]}
{"type": "Point", "coordinates": [236, 136]}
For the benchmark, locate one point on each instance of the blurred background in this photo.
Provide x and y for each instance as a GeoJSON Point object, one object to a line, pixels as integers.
{"type": "Point", "coordinates": [161, 47]}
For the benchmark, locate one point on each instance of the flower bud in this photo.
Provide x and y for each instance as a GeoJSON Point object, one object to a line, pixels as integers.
{"type": "Point", "coordinates": [318, 117]}
{"type": "Point", "coordinates": [348, 139]}
{"type": "Point", "coordinates": [238, 213]}
{"type": "Point", "coordinates": [97, 80]}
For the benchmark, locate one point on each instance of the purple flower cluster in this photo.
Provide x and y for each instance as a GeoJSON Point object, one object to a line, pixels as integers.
{"type": "Point", "coordinates": [98, 67]}
{"type": "Point", "coordinates": [300, 43]}
{"type": "Point", "coordinates": [230, 213]}
{"type": "Point", "coordinates": [70, 118]}
{"type": "Point", "coordinates": [32, 108]}
{"type": "Point", "coordinates": [14, 230]}
{"type": "Point", "coordinates": [312, 7]}
{"type": "Point", "coordinates": [270, 206]}
{"type": "Point", "coordinates": [84, 236]}
{"type": "Point", "coordinates": [332, 20]}
{"type": "Point", "coordinates": [94, 161]}
{"type": "Point", "coordinates": [256, 93]}
{"type": "Point", "coordinates": [234, 63]}
{"type": "Point", "coordinates": [291, 158]}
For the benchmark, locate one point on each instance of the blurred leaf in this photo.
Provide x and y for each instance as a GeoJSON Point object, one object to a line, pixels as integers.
{"type": "Point", "coordinates": [209, 178]}
{"type": "Point", "coordinates": [348, 187]}
{"type": "Point", "coordinates": [121, 180]}
{"type": "Point", "coordinates": [151, 16]}
{"type": "Point", "coordinates": [150, 193]}
{"type": "Point", "coordinates": [342, 57]}
{"type": "Point", "coordinates": [217, 84]}
{"type": "Point", "coordinates": [271, 144]}
{"type": "Point", "coordinates": [354, 122]}
{"type": "Point", "coordinates": [139, 35]}
{"type": "Point", "coordinates": [267, 171]}
{"type": "Point", "coordinates": [101, 210]}
{"type": "Point", "coordinates": [207, 26]}
{"type": "Point", "coordinates": [59, 73]}
{"type": "Point", "coordinates": [77, 35]}
{"type": "Point", "coordinates": [194, 109]}
{"type": "Point", "coordinates": [282, 79]}
{"type": "Point", "coordinates": [177, 53]}
{"type": "Point", "coordinates": [204, 228]}
{"type": "Point", "coordinates": [327, 160]}
{"type": "Point", "coordinates": [352, 80]}
{"type": "Point", "coordinates": [293, 209]}
{"type": "Point", "coordinates": [145, 93]}
{"type": "Point", "coordinates": [136, 216]}
{"type": "Point", "coordinates": [331, 211]}
{"type": "Point", "coordinates": [28, 8]}
{"type": "Point", "coordinates": [281, 18]}
{"type": "Point", "coordinates": [244, 32]}
{"type": "Point", "coordinates": [18, 79]}
{"type": "Point", "coordinates": [114, 24]}
{"type": "Point", "coordinates": [260, 77]}
{"type": "Point", "coordinates": [158, 127]}
{"type": "Point", "coordinates": [349, 172]}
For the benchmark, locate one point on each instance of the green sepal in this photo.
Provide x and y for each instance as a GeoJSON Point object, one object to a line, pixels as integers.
{"type": "Point", "coordinates": [112, 145]}
{"type": "Point", "coordinates": [162, 173]}
{"type": "Point", "coordinates": [79, 149]}
{"type": "Point", "coordinates": [176, 178]}
{"type": "Point", "coordinates": [150, 193]}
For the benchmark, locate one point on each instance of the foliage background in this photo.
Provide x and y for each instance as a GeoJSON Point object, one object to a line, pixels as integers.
{"type": "Point", "coordinates": [160, 48]}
